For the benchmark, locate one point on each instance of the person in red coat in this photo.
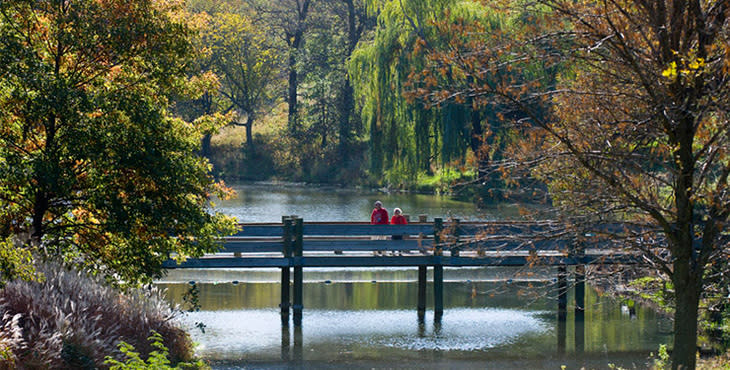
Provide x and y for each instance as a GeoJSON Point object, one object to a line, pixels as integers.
{"type": "Point", "coordinates": [398, 218]}
{"type": "Point", "coordinates": [379, 215]}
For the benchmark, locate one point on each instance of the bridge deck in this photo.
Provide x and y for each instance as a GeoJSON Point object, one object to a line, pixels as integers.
{"type": "Point", "coordinates": [293, 245]}
{"type": "Point", "coordinates": [357, 244]}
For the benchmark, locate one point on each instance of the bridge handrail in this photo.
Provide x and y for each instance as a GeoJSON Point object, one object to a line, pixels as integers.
{"type": "Point", "coordinates": [350, 243]}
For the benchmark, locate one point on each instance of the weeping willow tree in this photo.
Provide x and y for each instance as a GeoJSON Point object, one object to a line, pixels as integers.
{"type": "Point", "coordinates": [406, 137]}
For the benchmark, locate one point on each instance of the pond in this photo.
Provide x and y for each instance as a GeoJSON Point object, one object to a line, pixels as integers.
{"type": "Point", "coordinates": [494, 317]}
{"type": "Point", "coordinates": [267, 202]}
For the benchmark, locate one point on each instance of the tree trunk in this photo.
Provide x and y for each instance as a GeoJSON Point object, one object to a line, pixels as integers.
{"type": "Point", "coordinates": [205, 145]}
{"type": "Point", "coordinates": [347, 106]}
{"type": "Point", "coordinates": [687, 293]}
{"type": "Point", "coordinates": [476, 143]}
{"type": "Point", "coordinates": [295, 42]}
{"type": "Point", "coordinates": [249, 134]}
{"type": "Point", "coordinates": [346, 111]}
{"type": "Point", "coordinates": [292, 97]}
{"type": "Point", "coordinates": [40, 207]}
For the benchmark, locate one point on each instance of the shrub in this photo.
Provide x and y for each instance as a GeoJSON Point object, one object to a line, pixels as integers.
{"type": "Point", "coordinates": [158, 359]}
{"type": "Point", "coordinates": [72, 320]}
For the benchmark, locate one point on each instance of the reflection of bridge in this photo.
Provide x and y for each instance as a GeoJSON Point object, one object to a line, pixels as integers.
{"type": "Point", "coordinates": [293, 245]}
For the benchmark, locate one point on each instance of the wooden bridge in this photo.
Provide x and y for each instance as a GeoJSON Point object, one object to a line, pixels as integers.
{"type": "Point", "coordinates": [293, 245]}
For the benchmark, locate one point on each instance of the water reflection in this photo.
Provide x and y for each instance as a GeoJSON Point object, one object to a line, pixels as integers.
{"type": "Point", "coordinates": [379, 334]}
{"type": "Point", "coordinates": [268, 202]}
{"type": "Point", "coordinates": [369, 316]}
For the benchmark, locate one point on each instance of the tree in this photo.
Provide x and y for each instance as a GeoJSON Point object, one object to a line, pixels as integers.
{"type": "Point", "coordinates": [93, 168]}
{"type": "Point", "coordinates": [288, 18]}
{"type": "Point", "coordinates": [407, 137]}
{"type": "Point", "coordinates": [246, 63]}
{"type": "Point", "coordinates": [638, 130]}
{"type": "Point", "coordinates": [356, 22]}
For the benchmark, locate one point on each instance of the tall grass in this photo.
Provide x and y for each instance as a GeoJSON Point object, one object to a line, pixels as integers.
{"type": "Point", "coordinates": [72, 320]}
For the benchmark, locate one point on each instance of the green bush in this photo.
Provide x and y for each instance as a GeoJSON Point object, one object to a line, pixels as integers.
{"type": "Point", "coordinates": [158, 359]}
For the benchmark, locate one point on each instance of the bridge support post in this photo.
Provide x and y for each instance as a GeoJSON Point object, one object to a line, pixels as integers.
{"type": "Point", "coordinates": [455, 249]}
{"type": "Point", "coordinates": [562, 307]}
{"type": "Point", "coordinates": [422, 292]}
{"type": "Point", "coordinates": [285, 271]}
{"type": "Point", "coordinates": [438, 292]}
{"type": "Point", "coordinates": [298, 272]}
{"type": "Point", "coordinates": [438, 271]}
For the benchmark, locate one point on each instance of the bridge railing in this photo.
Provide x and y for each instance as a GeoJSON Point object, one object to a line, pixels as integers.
{"type": "Point", "coordinates": [332, 236]}
{"type": "Point", "coordinates": [452, 243]}
{"type": "Point", "coordinates": [451, 237]}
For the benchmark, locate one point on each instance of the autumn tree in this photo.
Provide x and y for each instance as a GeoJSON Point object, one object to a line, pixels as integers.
{"type": "Point", "coordinates": [247, 65]}
{"type": "Point", "coordinates": [638, 125]}
{"type": "Point", "coordinates": [93, 168]}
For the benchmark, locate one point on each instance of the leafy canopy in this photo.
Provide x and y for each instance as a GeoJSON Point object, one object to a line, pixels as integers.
{"type": "Point", "coordinates": [93, 167]}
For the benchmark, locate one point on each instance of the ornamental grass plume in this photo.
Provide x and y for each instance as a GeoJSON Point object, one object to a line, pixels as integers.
{"type": "Point", "coordinates": [73, 320]}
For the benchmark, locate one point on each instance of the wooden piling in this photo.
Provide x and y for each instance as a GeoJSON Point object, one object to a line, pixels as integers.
{"type": "Point", "coordinates": [286, 271]}
{"type": "Point", "coordinates": [438, 271]}
{"type": "Point", "coordinates": [438, 291]}
{"type": "Point", "coordinates": [422, 292]}
{"type": "Point", "coordinates": [298, 272]}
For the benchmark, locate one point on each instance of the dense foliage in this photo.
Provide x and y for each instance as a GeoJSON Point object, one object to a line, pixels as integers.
{"type": "Point", "coordinates": [93, 168]}
{"type": "Point", "coordinates": [339, 108]}
{"type": "Point", "coordinates": [638, 129]}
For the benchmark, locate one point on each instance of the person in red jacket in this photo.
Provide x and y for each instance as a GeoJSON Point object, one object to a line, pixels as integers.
{"type": "Point", "coordinates": [398, 218]}
{"type": "Point", "coordinates": [379, 215]}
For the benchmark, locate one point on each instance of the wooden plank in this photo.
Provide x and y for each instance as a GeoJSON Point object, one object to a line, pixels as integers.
{"type": "Point", "coordinates": [394, 261]}
{"type": "Point", "coordinates": [273, 229]}
{"type": "Point", "coordinates": [339, 228]}
{"type": "Point", "coordinates": [366, 229]}
{"type": "Point", "coordinates": [252, 246]}
{"type": "Point", "coordinates": [513, 228]}
{"type": "Point", "coordinates": [242, 245]}
{"type": "Point", "coordinates": [228, 262]}
{"type": "Point", "coordinates": [363, 245]}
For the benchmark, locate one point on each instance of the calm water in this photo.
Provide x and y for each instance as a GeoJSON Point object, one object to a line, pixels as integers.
{"type": "Point", "coordinates": [268, 202]}
{"type": "Point", "coordinates": [494, 318]}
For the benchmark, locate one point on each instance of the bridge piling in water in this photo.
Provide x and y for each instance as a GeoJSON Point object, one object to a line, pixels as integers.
{"type": "Point", "coordinates": [438, 270]}
{"type": "Point", "coordinates": [422, 276]}
{"type": "Point", "coordinates": [298, 271]}
{"type": "Point", "coordinates": [286, 271]}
